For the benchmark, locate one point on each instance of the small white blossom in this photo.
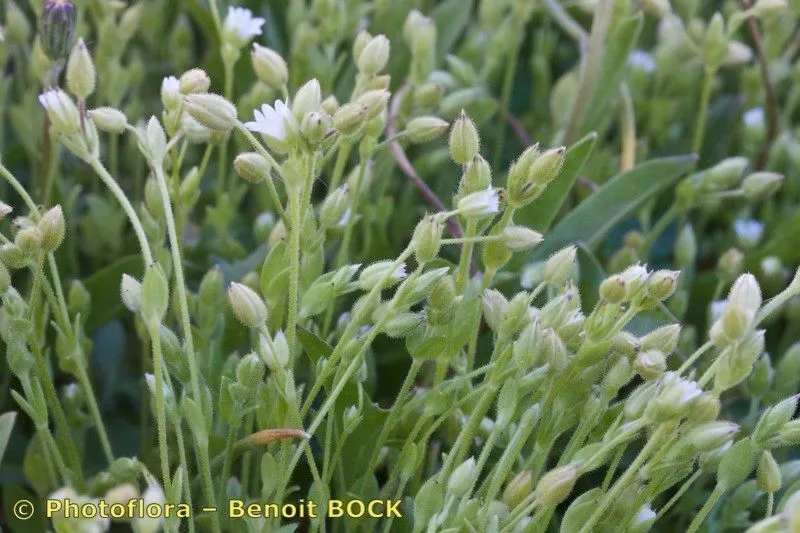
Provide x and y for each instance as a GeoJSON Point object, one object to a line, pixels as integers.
{"type": "Point", "coordinates": [345, 218]}
{"type": "Point", "coordinates": [400, 272]}
{"type": "Point", "coordinates": [754, 118]}
{"type": "Point", "coordinates": [61, 111]}
{"type": "Point", "coordinates": [645, 514]}
{"type": "Point", "coordinates": [641, 60]}
{"type": "Point", "coordinates": [241, 26]}
{"type": "Point", "coordinates": [481, 203]}
{"type": "Point", "coordinates": [170, 92]}
{"type": "Point", "coordinates": [687, 391]}
{"type": "Point", "coordinates": [748, 232]}
{"type": "Point", "coordinates": [273, 122]}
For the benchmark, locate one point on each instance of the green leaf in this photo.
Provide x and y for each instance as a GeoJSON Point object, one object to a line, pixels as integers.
{"type": "Point", "coordinates": [541, 213]}
{"type": "Point", "coordinates": [6, 425]}
{"type": "Point", "coordinates": [592, 274]}
{"type": "Point", "coordinates": [451, 18]}
{"type": "Point", "coordinates": [612, 70]}
{"type": "Point", "coordinates": [785, 243]}
{"type": "Point", "coordinates": [614, 201]}
{"type": "Point", "coordinates": [103, 286]}
{"type": "Point", "coordinates": [315, 347]}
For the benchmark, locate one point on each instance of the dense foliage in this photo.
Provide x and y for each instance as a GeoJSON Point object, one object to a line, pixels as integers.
{"type": "Point", "coordinates": [517, 265]}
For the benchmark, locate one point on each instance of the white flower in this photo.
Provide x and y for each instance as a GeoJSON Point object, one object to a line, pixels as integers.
{"type": "Point", "coordinates": [171, 93]}
{"type": "Point", "coordinates": [154, 495]}
{"type": "Point", "coordinates": [61, 111]}
{"type": "Point", "coordinates": [746, 292]}
{"type": "Point", "coordinates": [345, 218]}
{"type": "Point", "coordinates": [645, 514]}
{"type": "Point", "coordinates": [754, 118]}
{"type": "Point", "coordinates": [480, 203]}
{"type": "Point", "coordinates": [240, 26]}
{"type": "Point", "coordinates": [748, 232]}
{"type": "Point", "coordinates": [641, 60]}
{"type": "Point", "coordinates": [717, 306]}
{"type": "Point", "coordinates": [400, 272]}
{"type": "Point", "coordinates": [687, 391]}
{"type": "Point", "coordinates": [272, 122]}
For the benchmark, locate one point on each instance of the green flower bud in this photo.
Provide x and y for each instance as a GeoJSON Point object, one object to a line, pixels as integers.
{"type": "Point", "coordinates": [771, 422]}
{"type": "Point", "coordinates": [462, 478]}
{"type": "Point", "coordinates": [154, 295]}
{"type": "Point", "coordinates": [730, 264]}
{"type": "Point", "coordinates": [315, 127]}
{"type": "Point", "coordinates": [494, 308]}
{"type": "Point", "coordinates": [335, 207]}
{"type": "Point", "coordinates": [250, 371]}
{"type": "Point", "coordinates": [275, 352]}
{"type": "Point", "coordinates": [360, 42]}
{"type": "Point", "coordinates": [330, 105]}
{"type": "Point", "coordinates": [662, 284]}
{"type": "Point", "coordinates": [424, 129]}
{"type": "Point", "coordinates": [711, 435]}
{"type": "Point", "coordinates": [443, 295]}
{"type": "Point", "coordinates": [664, 339]}
{"type": "Point", "coordinates": [428, 501]}
{"type": "Point", "coordinates": [650, 364]}
{"type": "Point", "coordinates": [269, 66]}
{"type": "Point", "coordinates": [518, 489]}
{"type": "Point", "coordinates": [29, 240]}
{"type": "Point", "coordinates": [725, 174]}
{"type": "Point", "coordinates": [12, 256]}
{"type": "Point", "coordinates": [427, 239]}
{"type": "Point", "coordinates": [374, 56]}
{"type": "Point", "coordinates": [109, 119]}
{"type": "Point", "coordinates": [349, 118]}
{"type": "Point", "coordinates": [547, 166]}
{"type": "Point", "coordinates": [252, 167]}
{"type": "Point", "coordinates": [706, 408]}
{"type": "Point", "coordinates": [735, 321]}
{"type": "Point", "coordinates": [464, 140]}
{"type": "Point", "coordinates": [56, 27]}
{"type": "Point", "coordinates": [131, 292]}
{"type": "Point", "coordinates": [520, 238]}
{"type": "Point", "coordinates": [477, 176]}
{"type": "Point", "coordinates": [307, 99]}
{"type": "Point", "coordinates": [768, 473]}
{"type": "Point", "coordinates": [212, 111]}
{"type": "Point", "coordinates": [559, 268]}
{"type": "Point", "coordinates": [773, 524]}
{"type": "Point", "coordinates": [555, 486]}
{"type": "Point", "coordinates": [428, 95]}
{"type": "Point", "coordinates": [81, 75]}
{"type": "Point", "coordinates": [194, 81]}
{"type": "Point", "coordinates": [248, 306]}
{"type": "Point", "coordinates": [383, 273]}
{"type": "Point", "coordinates": [374, 102]}
{"type": "Point", "coordinates": [761, 185]}
{"type": "Point", "coordinates": [614, 289]}
{"type": "Point", "coordinates": [769, 8]}
{"type": "Point", "coordinates": [553, 350]}
{"type": "Point", "coordinates": [53, 228]}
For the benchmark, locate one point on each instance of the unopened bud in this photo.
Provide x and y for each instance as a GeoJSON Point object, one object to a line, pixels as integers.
{"type": "Point", "coordinates": [109, 119]}
{"type": "Point", "coordinates": [275, 353]}
{"type": "Point", "coordinates": [427, 239]}
{"type": "Point", "coordinates": [614, 289]}
{"type": "Point", "coordinates": [248, 306]}
{"type": "Point", "coordinates": [330, 105]}
{"type": "Point", "coordinates": [518, 489]}
{"type": "Point", "coordinates": [29, 239]}
{"type": "Point", "coordinates": [334, 207]}
{"type": "Point", "coordinates": [761, 185]}
{"type": "Point", "coordinates": [520, 238]}
{"type": "Point", "coordinates": [307, 99]}
{"type": "Point", "coordinates": [212, 111]}
{"type": "Point", "coordinates": [464, 140]}
{"type": "Point", "coordinates": [349, 118]}
{"type": "Point", "coordinates": [730, 264]}
{"type": "Point", "coordinates": [81, 75]}
{"type": "Point", "coordinates": [383, 273]}
{"type": "Point", "coordinates": [424, 129]}
{"type": "Point", "coordinates": [155, 294]}
{"type": "Point", "coordinates": [252, 167]}
{"type": "Point", "coordinates": [56, 27]}
{"type": "Point", "coordinates": [269, 66]}
{"type": "Point", "coordinates": [685, 247]}
{"type": "Point", "coordinates": [664, 339]}
{"type": "Point", "coordinates": [428, 95]}
{"type": "Point", "coordinates": [315, 126]}
{"type": "Point", "coordinates": [560, 267]}
{"type": "Point", "coordinates": [768, 473]}
{"type": "Point", "coordinates": [555, 486]}
{"type": "Point", "coordinates": [194, 81]}
{"type": "Point", "coordinates": [479, 204]}
{"type": "Point", "coordinates": [746, 292]}
{"type": "Point", "coordinates": [53, 228]}
{"type": "Point", "coordinates": [374, 56]}
{"type": "Point", "coordinates": [462, 478]}
{"type": "Point", "coordinates": [769, 8]}
{"type": "Point", "coordinates": [711, 435]}
{"type": "Point", "coordinates": [131, 293]}
{"type": "Point", "coordinates": [61, 111]}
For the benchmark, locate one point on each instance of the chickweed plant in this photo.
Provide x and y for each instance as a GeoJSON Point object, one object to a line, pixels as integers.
{"type": "Point", "coordinates": [303, 266]}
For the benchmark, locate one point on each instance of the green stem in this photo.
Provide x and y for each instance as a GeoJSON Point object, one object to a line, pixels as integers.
{"type": "Point", "coordinates": [118, 193]}
{"type": "Point", "coordinates": [706, 509]}
{"type": "Point", "coordinates": [658, 228]}
{"type": "Point", "coordinates": [226, 467]}
{"type": "Point", "coordinates": [161, 415]}
{"type": "Point", "coordinates": [294, 273]}
{"type": "Point", "coordinates": [702, 114]}
{"type": "Point", "coordinates": [466, 256]}
{"type": "Point", "coordinates": [86, 384]}
{"type": "Point", "coordinates": [677, 496]}
{"type": "Point", "coordinates": [625, 479]}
